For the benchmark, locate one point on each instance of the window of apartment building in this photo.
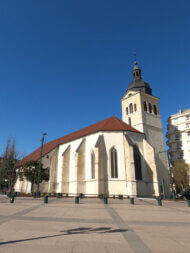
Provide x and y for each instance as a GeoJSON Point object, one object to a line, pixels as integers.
{"type": "Point", "coordinates": [174, 121]}
{"type": "Point", "coordinates": [180, 155]}
{"type": "Point", "coordinates": [177, 136]}
{"type": "Point", "coordinates": [187, 117]}
{"type": "Point", "coordinates": [188, 133]}
{"type": "Point", "coordinates": [187, 125]}
{"type": "Point", "coordinates": [178, 145]}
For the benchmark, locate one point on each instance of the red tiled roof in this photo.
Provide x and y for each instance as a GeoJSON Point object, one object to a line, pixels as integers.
{"type": "Point", "coordinates": [110, 124]}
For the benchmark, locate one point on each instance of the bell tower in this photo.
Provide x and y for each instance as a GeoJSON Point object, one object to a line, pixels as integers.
{"type": "Point", "coordinates": [140, 109]}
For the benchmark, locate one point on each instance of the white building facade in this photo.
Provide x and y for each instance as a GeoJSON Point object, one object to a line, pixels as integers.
{"type": "Point", "coordinates": [178, 134]}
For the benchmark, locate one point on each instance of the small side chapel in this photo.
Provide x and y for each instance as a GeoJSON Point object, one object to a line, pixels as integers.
{"type": "Point", "coordinates": [112, 156]}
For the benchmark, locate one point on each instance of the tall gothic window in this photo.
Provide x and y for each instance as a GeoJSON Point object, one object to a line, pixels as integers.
{"type": "Point", "coordinates": [131, 108]}
{"type": "Point", "coordinates": [127, 111]}
{"type": "Point", "coordinates": [150, 107]}
{"type": "Point", "coordinates": [93, 165]}
{"type": "Point", "coordinates": [114, 165]}
{"type": "Point", "coordinates": [129, 120]}
{"type": "Point", "coordinates": [145, 106]}
{"type": "Point", "coordinates": [137, 160]}
{"type": "Point", "coordinates": [155, 110]}
{"type": "Point", "coordinates": [135, 107]}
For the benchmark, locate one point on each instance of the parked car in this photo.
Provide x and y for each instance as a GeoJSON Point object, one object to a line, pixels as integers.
{"type": "Point", "coordinates": [185, 195]}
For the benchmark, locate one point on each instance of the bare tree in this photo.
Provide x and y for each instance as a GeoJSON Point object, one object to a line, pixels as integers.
{"type": "Point", "coordinates": [180, 171]}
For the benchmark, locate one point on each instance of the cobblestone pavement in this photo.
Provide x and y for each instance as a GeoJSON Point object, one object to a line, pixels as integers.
{"type": "Point", "coordinates": [29, 225]}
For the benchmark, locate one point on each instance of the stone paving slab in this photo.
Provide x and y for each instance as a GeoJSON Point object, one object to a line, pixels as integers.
{"type": "Point", "coordinates": [29, 225]}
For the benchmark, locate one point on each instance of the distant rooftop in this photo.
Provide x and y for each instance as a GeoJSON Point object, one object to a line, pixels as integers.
{"type": "Point", "coordinates": [181, 112]}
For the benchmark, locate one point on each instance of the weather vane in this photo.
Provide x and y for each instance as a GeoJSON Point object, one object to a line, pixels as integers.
{"type": "Point", "coordinates": [135, 56]}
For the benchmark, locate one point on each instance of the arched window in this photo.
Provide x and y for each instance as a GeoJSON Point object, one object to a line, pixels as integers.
{"type": "Point", "coordinates": [145, 106]}
{"type": "Point", "coordinates": [135, 107]}
{"type": "Point", "coordinates": [155, 110]}
{"type": "Point", "coordinates": [127, 111]}
{"type": "Point", "coordinates": [150, 107]}
{"type": "Point", "coordinates": [129, 121]}
{"type": "Point", "coordinates": [93, 165]}
{"type": "Point", "coordinates": [114, 165]}
{"type": "Point", "coordinates": [137, 160]}
{"type": "Point", "coordinates": [131, 108]}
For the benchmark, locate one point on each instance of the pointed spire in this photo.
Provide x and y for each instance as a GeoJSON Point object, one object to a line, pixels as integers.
{"type": "Point", "coordinates": [136, 72]}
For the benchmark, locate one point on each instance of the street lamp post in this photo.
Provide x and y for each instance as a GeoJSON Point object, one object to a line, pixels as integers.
{"type": "Point", "coordinates": [40, 164]}
{"type": "Point", "coordinates": [171, 176]}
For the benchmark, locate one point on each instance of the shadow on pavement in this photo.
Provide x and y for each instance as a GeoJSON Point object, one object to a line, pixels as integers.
{"type": "Point", "coordinates": [82, 230]}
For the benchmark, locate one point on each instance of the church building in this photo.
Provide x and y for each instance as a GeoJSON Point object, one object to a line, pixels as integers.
{"type": "Point", "coordinates": [112, 156]}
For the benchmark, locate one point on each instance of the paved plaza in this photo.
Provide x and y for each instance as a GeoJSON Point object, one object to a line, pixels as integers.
{"type": "Point", "coordinates": [29, 225]}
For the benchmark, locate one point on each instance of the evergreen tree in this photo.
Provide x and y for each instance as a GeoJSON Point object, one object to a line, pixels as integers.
{"type": "Point", "coordinates": [8, 165]}
{"type": "Point", "coordinates": [29, 172]}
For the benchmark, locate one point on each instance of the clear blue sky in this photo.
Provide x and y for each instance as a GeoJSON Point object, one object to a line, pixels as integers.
{"type": "Point", "coordinates": [65, 64]}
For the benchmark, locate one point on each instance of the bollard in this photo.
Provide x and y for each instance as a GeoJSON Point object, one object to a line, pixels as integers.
{"type": "Point", "coordinates": [38, 194]}
{"type": "Point", "coordinates": [12, 199]}
{"type": "Point", "coordinates": [45, 199]}
{"type": "Point", "coordinates": [105, 200]}
{"type": "Point", "coordinates": [121, 197]}
{"type": "Point", "coordinates": [81, 195]}
{"type": "Point", "coordinates": [59, 195]}
{"type": "Point", "coordinates": [188, 202]}
{"type": "Point", "coordinates": [77, 200]}
{"type": "Point", "coordinates": [132, 201]}
{"type": "Point", "coordinates": [173, 195]}
{"type": "Point", "coordinates": [159, 201]}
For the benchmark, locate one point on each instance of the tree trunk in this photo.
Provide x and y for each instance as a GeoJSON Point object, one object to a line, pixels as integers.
{"type": "Point", "coordinates": [32, 186]}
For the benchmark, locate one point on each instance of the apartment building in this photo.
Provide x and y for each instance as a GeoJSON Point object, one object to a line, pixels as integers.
{"type": "Point", "coordinates": [178, 135]}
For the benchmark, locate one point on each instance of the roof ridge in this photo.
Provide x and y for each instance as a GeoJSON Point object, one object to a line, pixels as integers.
{"type": "Point", "coordinates": [110, 124]}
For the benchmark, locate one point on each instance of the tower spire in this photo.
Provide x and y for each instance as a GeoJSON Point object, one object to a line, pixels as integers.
{"type": "Point", "coordinates": [136, 72]}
